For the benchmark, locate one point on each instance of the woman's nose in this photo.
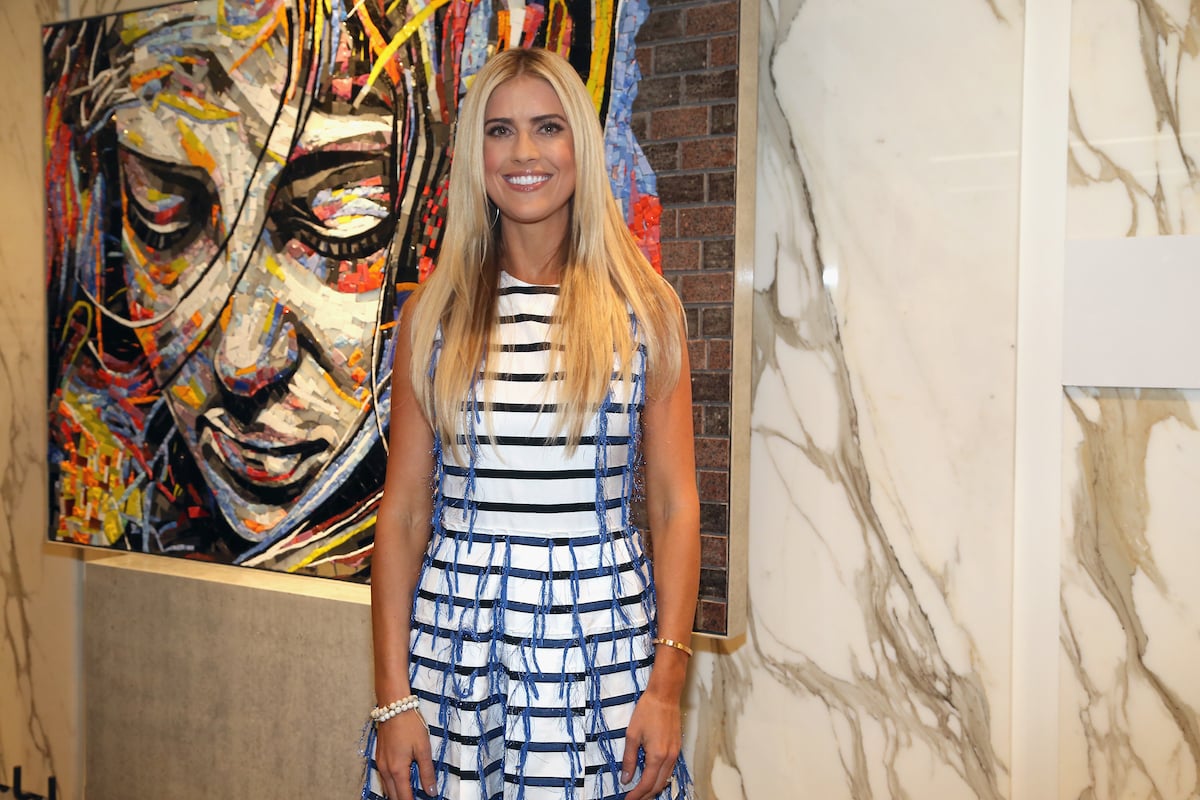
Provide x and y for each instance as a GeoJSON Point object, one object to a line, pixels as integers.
{"type": "Point", "coordinates": [258, 347]}
{"type": "Point", "coordinates": [525, 147]}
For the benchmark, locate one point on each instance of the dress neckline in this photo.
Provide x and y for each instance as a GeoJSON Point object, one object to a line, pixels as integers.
{"type": "Point", "coordinates": [508, 279]}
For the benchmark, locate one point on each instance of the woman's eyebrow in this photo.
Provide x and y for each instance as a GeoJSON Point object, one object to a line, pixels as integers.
{"type": "Point", "coordinates": [537, 119]}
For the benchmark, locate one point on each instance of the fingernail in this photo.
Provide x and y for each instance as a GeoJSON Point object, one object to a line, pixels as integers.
{"type": "Point", "coordinates": [624, 777]}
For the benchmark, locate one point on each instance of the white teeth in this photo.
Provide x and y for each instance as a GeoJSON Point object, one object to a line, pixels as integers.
{"type": "Point", "coordinates": [526, 180]}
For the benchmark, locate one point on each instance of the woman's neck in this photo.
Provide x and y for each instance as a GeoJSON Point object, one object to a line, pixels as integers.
{"type": "Point", "coordinates": [533, 258]}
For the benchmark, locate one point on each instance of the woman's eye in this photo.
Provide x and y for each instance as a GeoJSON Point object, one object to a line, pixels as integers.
{"type": "Point", "coordinates": [165, 205]}
{"type": "Point", "coordinates": [338, 205]}
{"type": "Point", "coordinates": [496, 130]}
{"type": "Point", "coordinates": [552, 128]}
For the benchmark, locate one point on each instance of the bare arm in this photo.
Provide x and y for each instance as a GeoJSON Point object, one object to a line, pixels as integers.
{"type": "Point", "coordinates": [674, 515]}
{"type": "Point", "coordinates": [402, 533]}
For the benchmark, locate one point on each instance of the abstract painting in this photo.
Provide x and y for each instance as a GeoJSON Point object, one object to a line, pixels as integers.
{"type": "Point", "coordinates": [240, 195]}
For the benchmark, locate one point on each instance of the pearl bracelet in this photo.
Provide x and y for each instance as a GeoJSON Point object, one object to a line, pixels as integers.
{"type": "Point", "coordinates": [675, 644]}
{"type": "Point", "coordinates": [384, 713]}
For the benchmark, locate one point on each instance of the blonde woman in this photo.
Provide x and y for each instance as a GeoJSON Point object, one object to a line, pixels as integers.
{"type": "Point", "coordinates": [528, 649]}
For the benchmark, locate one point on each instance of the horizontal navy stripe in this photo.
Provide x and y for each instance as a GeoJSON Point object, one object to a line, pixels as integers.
{"type": "Point", "coordinates": [522, 377]}
{"type": "Point", "coordinates": [541, 441]}
{"type": "Point", "coordinates": [542, 782]}
{"type": "Point", "coordinates": [535, 475]}
{"type": "Point", "coordinates": [529, 289]}
{"type": "Point", "coordinates": [461, 705]}
{"type": "Point", "coordinates": [511, 319]}
{"type": "Point", "coordinates": [531, 508]}
{"type": "Point", "coordinates": [532, 574]}
{"type": "Point", "coordinates": [523, 676]}
{"type": "Point", "coordinates": [530, 608]}
{"type": "Point", "coordinates": [485, 637]}
{"type": "Point", "coordinates": [543, 408]}
{"type": "Point", "coordinates": [526, 347]}
{"type": "Point", "coordinates": [534, 541]}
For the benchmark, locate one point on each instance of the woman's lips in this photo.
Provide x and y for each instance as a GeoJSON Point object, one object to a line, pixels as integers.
{"type": "Point", "coordinates": [526, 182]}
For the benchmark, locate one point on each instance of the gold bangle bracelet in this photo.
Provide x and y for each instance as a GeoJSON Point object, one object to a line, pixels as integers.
{"type": "Point", "coordinates": [675, 644]}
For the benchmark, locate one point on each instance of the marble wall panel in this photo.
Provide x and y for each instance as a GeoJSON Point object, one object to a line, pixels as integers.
{"type": "Point", "coordinates": [1130, 625]}
{"type": "Point", "coordinates": [877, 659]}
{"type": "Point", "coordinates": [39, 585]}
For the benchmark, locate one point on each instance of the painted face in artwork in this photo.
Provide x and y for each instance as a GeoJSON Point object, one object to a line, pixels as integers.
{"type": "Point", "coordinates": [257, 218]}
{"type": "Point", "coordinates": [529, 154]}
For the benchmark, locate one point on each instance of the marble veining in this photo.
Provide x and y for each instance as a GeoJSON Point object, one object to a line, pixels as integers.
{"type": "Point", "coordinates": [871, 667]}
{"type": "Point", "coordinates": [1130, 714]}
{"type": "Point", "coordinates": [1129, 705]}
{"type": "Point", "coordinates": [1134, 91]}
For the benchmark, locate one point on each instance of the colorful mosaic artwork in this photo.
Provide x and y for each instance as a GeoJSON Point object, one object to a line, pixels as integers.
{"type": "Point", "coordinates": [240, 196]}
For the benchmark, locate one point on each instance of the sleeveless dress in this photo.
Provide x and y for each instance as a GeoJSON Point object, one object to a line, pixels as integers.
{"type": "Point", "coordinates": [534, 611]}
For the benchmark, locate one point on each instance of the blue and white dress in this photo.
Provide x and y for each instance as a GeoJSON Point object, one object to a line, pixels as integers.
{"type": "Point", "coordinates": [534, 612]}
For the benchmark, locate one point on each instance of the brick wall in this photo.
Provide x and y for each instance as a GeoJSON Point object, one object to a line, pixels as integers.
{"type": "Point", "coordinates": [685, 118]}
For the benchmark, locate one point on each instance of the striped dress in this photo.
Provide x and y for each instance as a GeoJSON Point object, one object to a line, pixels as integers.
{"type": "Point", "coordinates": [534, 610]}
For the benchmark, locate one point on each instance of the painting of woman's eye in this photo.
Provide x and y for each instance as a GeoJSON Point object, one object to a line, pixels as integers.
{"type": "Point", "coordinates": [166, 206]}
{"type": "Point", "coordinates": [336, 212]}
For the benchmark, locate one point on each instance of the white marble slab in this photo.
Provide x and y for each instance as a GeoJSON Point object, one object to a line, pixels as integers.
{"type": "Point", "coordinates": [881, 459]}
{"type": "Point", "coordinates": [1130, 610]}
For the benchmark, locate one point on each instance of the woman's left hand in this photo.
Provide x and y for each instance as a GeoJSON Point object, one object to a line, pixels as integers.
{"type": "Point", "coordinates": [656, 729]}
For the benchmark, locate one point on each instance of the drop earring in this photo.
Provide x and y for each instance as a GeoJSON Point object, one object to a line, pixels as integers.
{"type": "Point", "coordinates": [495, 214]}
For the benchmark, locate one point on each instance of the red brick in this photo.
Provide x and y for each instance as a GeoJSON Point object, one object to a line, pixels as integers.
{"type": "Point", "coordinates": [697, 417]}
{"type": "Point", "coordinates": [716, 420]}
{"type": "Point", "coordinates": [679, 256]}
{"type": "Point", "coordinates": [709, 152]}
{"type": "Point", "coordinates": [714, 517]}
{"type": "Point", "coordinates": [663, 156]}
{"type": "Point", "coordinates": [675, 123]}
{"type": "Point", "coordinates": [710, 616]}
{"type": "Point", "coordinates": [711, 18]}
{"type": "Point", "coordinates": [723, 119]}
{"type": "Point", "coordinates": [645, 61]}
{"type": "Point", "coordinates": [711, 452]}
{"type": "Point", "coordinates": [720, 354]}
{"type": "Point", "coordinates": [722, 186]}
{"type": "Point", "coordinates": [714, 582]}
{"type": "Point", "coordinates": [713, 485]}
{"type": "Point", "coordinates": [697, 353]}
{"type": "Point", "coordinates": [710, 387]}
{"type": "Point", "coordinates": [717, 254]}
{"type": "Point", "coordinates": [706, 221]}
{"type": "Point", "coordinates": [714, 551]}
{"type": "Point", "coordinates": [655, 93]}
{"type": "Point", "coordinates": [687, 56]}
{"type": "Point", "coordinates": [716, 322]}
{"type": "Point", "coordinates": [661, 24]}
{"type": "Point", "coordinates": [709, 287]}
{"type": "Point", "coordinates": [723, 51]}
{"type": "Point", "coordinates": [640, 125]}
{"type": "Point", "coordinates": [710, 85]}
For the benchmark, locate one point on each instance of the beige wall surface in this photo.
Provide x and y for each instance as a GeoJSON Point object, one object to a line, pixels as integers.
{"type": "Point", "coordinates": [207, 681]}
{"type": "Point", "coordinates": [40, 712]}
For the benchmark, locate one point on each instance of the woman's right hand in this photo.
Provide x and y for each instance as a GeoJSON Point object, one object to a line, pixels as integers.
{"type": "Point", "coordinates": [399, 742]}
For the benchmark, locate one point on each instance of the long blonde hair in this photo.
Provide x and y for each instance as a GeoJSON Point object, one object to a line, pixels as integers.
{"type": "Point", "coordinates": [604, 274]}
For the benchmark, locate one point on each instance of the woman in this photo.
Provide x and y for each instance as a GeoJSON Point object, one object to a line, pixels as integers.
{"type": "Point", "coordinates": [547, 366]}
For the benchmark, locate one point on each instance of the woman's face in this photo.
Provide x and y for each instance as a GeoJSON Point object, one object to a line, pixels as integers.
{"type": "Point", "coordinates": [255, 228]}
{"type": "Point", "coordinates": [529, 154]}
